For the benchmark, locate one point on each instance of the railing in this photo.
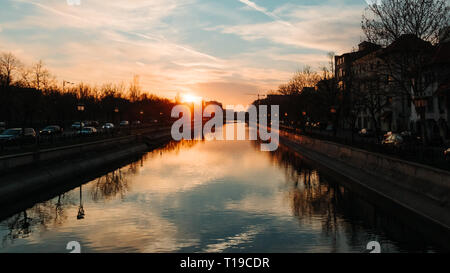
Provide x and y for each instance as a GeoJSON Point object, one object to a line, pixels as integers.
{"type": "Point", "coordinates": [148, 135]}
{"type": "Point", "coordinates": [71, 138]}
{"type": "Point", "coordinates": [431, 156]}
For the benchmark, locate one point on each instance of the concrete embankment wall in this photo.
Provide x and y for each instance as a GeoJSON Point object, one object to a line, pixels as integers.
{"type": "Point", "coordinates": [29, 173]}
{"type": "Point", "coordinates": [432, 182]}
{"type": "Point", "coordinates": [19, 185]}
{"type": "Point", "coordinates": [12, 162]}
{"type": "Point", "coordinates": [417, 195]}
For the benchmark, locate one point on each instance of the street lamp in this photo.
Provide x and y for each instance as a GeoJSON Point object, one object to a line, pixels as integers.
{"type": "Point", "coordinates": [80, 109]}
{"type": "Point", "coordinates": [80, 214]}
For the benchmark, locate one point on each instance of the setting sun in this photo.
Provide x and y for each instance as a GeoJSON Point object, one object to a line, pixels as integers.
{"type": "Point", "coordinates": [191, 98]}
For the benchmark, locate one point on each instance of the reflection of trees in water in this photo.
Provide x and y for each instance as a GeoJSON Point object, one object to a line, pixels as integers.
{"type": "Point", "coordinates": [339, 211]}
{"type": "Point", "coordinates": [53, 212]}
{"type": "Point", "coordinates": [313, 200]}
{"type": "Point", "coordinates": [110, 185]}
{"type": "Point", "coordinates": [41, 215]}
{"type": "Point", "coordinates": [175, 146]}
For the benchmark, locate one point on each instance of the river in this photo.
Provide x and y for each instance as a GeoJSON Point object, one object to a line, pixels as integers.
{"type": "Point", "coordinates": [209, 196]}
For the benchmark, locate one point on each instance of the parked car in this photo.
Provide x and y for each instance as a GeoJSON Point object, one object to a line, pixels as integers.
{"type": "Point", "coordinates": [447, 154]}
{"type": "Point", "coordinates": [76, 125]}
{"type": "Point", "coordinates": [108, 126]}
{"type": "Point", "coordinates": [51, 130]}
{"type": "Point", "coordinates": [91, 123]}
{"type": "Point", "coordinates": [393, 139]}
{"type": "Point", "coordinates": [88, 131]}
{"type": "Point", "coordinates": [124, 123]}
{"type": "Point", "coordinates": [137, 122]}
{"type": "Point", "coordinates": [2, 126]}
{"type": "Point", "coordinates": [14, 135]}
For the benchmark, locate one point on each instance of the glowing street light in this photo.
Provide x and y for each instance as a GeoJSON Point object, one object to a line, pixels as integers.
{"type": "Point", "coordinates": [80, 107]}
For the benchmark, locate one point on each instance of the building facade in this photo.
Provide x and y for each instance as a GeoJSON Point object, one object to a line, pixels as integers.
{"type": "Point", "coordinates": [402, 87]}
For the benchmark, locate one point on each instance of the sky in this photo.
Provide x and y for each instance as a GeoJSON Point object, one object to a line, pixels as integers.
{"type": "Point", "coordinates": [227, 50]}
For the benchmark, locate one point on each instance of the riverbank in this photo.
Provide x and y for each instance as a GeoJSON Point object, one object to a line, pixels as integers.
{"type": "Point", "coordinates": [423, 192]}
{"type": "Point", "coordinates": [28, 174]}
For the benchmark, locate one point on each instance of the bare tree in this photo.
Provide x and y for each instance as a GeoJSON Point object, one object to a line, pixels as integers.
{"type": "Point", "coordinates": [301, 79]}
{"type": "Point", "coordinates": [135, 89]}
{"type": "Point", "coordinates": [9, 64]}
{"type": "Point", "coordinates": [331, 55]}
{"type": "Point", "coordinates": [384, 21]}
{"type": "Point", "coordinates": [408, 28]}
{"type": "Point", "coordinates": [25, 77]}
{"type": "Point", "coordinates": [40, 75]}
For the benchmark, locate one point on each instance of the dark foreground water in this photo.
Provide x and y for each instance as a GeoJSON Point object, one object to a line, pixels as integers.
{"type": "Point", "coordinates": [209, 197]}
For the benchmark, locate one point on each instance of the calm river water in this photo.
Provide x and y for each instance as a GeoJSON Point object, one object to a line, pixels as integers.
{"type": "Point", "coordinates": [201, 196]}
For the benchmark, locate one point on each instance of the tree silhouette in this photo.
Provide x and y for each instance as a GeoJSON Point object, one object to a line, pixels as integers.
{"type": "Point", "coordinates": [384, 21]}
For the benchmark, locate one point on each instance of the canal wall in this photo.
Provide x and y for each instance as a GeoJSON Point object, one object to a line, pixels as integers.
{"type": "Point", "coordinates": [422, 190]}
{"type": "Point", "coordinates": [11, 163]}
{"type": "Point", "coordinates": [29, 173]}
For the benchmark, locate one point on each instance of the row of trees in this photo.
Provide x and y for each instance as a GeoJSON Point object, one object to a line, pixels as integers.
{"type": "Point", "coordinates": [30, 96]}
{"type": "Point", "coordinates": [308, 96]}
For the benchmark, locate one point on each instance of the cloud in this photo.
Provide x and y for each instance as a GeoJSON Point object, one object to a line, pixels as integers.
{"type": "Point", "coordinates": [324, 27]}
{"type": "Point", "coordinates": [110, 41]}
{"type": "Point", "coordinates": [258, 8]}
{"type": "Point", "coordinates": [263, 10]}
{"type": "Point", "coordinates": [234, 241]}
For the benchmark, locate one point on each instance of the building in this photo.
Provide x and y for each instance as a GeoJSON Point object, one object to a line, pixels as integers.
{"type": "Point", "coordinates": [434, 103]}
{"type": "Point", "coordinates": [403, 87]}
{"type": "Point", "coordinates": [344, 63]}
{"type": "Point", "coordinates": [344, 76]}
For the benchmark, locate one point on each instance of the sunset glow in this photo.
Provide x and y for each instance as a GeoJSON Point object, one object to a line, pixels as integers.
{"type": "Point", "coordinates": [191, 99]}
{"type": "Point", "coordinates": [220, 49]}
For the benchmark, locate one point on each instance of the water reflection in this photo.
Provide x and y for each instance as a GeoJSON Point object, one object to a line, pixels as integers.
{"type": "Point", "coordinates": [200, 196]}
{"type": "Point", "coordinates": [343, 211]}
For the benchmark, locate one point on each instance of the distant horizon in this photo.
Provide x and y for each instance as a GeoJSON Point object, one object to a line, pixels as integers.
{"type": "Point", "coordinates": [229, 52]}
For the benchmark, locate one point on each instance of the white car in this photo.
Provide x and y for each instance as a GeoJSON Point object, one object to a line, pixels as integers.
{"type": "Point", "coordinates": [88, 131]}
{"type": "Point", "coordinates": [124, 123]}
{"type": "Point", "coordinates": [76, 125]}
{"type": "Point", "coordinates": [108, 126]}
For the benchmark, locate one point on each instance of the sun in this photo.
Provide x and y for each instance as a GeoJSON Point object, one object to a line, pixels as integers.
{"type": "Point", "coordinates": [189, 98]}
